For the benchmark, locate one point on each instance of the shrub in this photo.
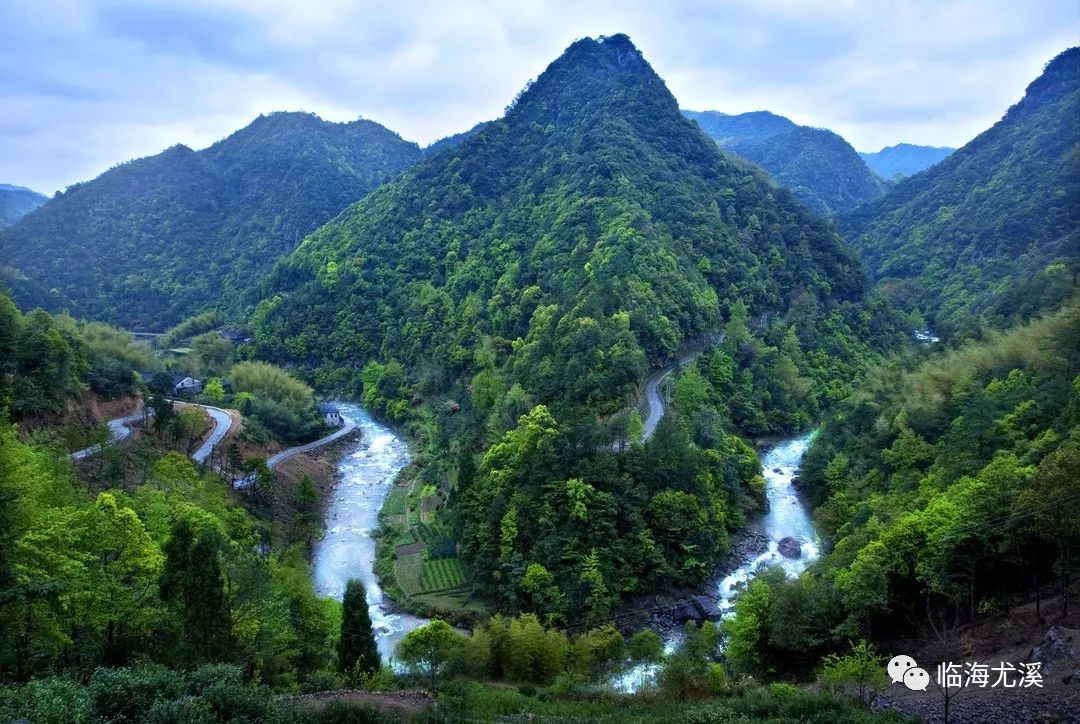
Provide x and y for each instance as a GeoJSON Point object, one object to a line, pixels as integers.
{"type": "Point", "coordinates": [126, 695]}
{"type": "Point", "coordinates": [210, 674]}
{"type": "Point", "coordinates": [55, 700]}
{"type": "Point", "coordinates": [185, 710]}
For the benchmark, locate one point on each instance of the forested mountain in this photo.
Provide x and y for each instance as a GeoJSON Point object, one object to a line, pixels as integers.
{"type": "Point", "coordinates": [16, 202]}
{"type": "Point", "coordinates": [904, 159]}
{"type": "Point", "coordinates": [946, 486]}
{"type": "Point", "coordinates": [524, 282]}
{"type": "Point", "coordinates": [154, 240]}
{"type": "Point", "coordinates": [817, 165]}
{"type": "Point", "coordinates": [992, 233]}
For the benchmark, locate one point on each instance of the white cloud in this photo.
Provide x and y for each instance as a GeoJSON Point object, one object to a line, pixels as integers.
{"type": "Point", "coordinates": [86, 85]}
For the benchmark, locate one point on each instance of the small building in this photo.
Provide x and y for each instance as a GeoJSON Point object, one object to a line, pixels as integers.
{"type": "Point", "coordinates": [925, 336]}
{"type": "Point", "coordinates": [331, 414]}
{"type": "Point", "coordinates": [184, 385]}
{"type": "Point", "coordinates": [235, 336]}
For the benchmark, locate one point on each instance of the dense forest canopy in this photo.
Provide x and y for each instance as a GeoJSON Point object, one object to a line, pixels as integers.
{"type": "Point", "coordinates": [592, 224]}
{"type": "Point", "coordinates": [48, 361]}
{"type": "Point", "coordinates": [155, 240]}
{"type": "Point", "coordinates": [991, 235]}
{"type": "Point", "coordinates": [16, 202]}
{"type": "Point", "coordinates": [904, 159]}
{"type": "Point", "coordinates": [533, 274]}
{"type": "Point", "coordinates": [817, 165]}
{"type": "Point", "coordinates": [503, 297]}
{"type": "Point", "coordinates": [945, 486]}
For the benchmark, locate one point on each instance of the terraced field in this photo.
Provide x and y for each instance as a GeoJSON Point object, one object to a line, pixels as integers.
{"type": "Point", "coordinates": [442, 574]}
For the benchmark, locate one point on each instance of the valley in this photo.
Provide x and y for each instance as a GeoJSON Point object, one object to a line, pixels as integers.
{"type": "Point", "coordinates": [602, 410]}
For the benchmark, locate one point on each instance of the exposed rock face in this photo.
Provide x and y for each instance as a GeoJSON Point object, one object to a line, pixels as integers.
{"type": "Point", "coordinates": [695, 608]}
{"type": "Point", "coordinates": [706, 607]}
{"type": "Point", "coordinates": [1057, 651]}
{"type": "Point", "coordinates": [790, 547]}
{"type": "Point", "coordinates": [685, 611]}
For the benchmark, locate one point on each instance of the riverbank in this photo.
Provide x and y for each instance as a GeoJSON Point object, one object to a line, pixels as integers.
{"type": "Point", "coordinates": [347, 549]}
{"type": "Point", "coordinates": [754, 549]}
{"type": "Point", "coordinates": [666, 613]}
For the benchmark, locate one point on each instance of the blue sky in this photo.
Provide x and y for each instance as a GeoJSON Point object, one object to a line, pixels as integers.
{"type": "Point", "coordinates": [86, 85]}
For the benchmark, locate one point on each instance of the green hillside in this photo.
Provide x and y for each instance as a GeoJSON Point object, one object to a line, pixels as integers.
{"type": "Point", "coordinates": [154, 240]}
{"type": "Point", "coordinates": [818, 166]}
{"type": "Point", "coordinates": [989, 236]}
{"type": "Point", "coordinates": [904, 159]}
{"type": "Point", "coordinates": [525, 281]}
{"type": "Point", "coordinates": [16, 202]}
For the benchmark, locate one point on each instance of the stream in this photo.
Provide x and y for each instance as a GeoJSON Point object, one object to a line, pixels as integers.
{"type": "Point", "coordinates": [787, 517]}
{"type": "Point", "coordinates": [367, 473]}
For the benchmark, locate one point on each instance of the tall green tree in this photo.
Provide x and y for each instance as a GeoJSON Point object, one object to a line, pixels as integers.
{"type": "Point", "coordinates": [357, 652]}
{"type": "Point", "coordinates": [193, 587]}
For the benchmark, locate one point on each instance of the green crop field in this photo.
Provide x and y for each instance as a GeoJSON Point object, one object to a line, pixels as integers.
{"type": "Point", "coordinates": [407, 571]}
{"type": "Point", "coordinates": [396, 502]}
{"type": "Point", "coordinates": [442, 574]}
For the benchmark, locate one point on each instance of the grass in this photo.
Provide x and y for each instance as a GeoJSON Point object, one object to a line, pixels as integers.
{"type": "Point", "coordinates": [397, 502]}
{"type": "Point", "coordinates": [777, 704]}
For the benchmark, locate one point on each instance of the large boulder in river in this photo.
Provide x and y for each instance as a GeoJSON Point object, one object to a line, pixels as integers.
{"type": "Point", "coordinates": [706, 607]}
{"type": "Point", "coordinates": [790, 547]}
{"type": "Point", "coordinates": [685, 611]}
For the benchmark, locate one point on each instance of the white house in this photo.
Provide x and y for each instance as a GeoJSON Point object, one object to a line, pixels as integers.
{"type": "Point", "coordinates": [331, 414]}
{"type": "Point", "coordinates": [184, 385]}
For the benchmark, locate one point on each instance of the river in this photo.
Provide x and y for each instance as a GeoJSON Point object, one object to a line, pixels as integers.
{"type": "Point", "coordinates": [787, 518]}
{"type": "Point", "coordinates": [366, 475]}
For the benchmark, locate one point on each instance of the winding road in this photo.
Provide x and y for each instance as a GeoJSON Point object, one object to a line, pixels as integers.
{"type": "Point", "coordinates": [274, 460]}
{"type": "Point", "coordinates": [121, 430]}
{"type": "Point", "coordinates": [222, 425]}
{"type": "Point", "coordinates": [652, 389]}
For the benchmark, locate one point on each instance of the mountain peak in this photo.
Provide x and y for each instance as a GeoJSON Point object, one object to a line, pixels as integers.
{"type": "Point", "coordinates": [1058, 78]}
{"type": "Point", "coordinates": [594, 76]}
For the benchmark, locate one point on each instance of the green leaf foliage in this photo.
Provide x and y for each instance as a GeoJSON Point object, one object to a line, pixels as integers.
{"type": "Point", "coordinates": [947, 485]}
{"type": "Point", "coordinates": [155, 240]}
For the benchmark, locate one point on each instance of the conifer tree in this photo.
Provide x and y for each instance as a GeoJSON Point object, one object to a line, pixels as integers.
{"type": "Point", "coordinates": [191, 584]}
{"type": "Point", "coordinates": [356, 647]}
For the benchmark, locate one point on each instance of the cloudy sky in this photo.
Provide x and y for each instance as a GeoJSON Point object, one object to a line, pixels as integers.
{"type": "Point", "coordinates": [85, 85]}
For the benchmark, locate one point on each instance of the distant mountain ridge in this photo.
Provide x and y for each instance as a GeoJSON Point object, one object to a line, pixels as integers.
{"type": "Point", "coordinates": [815, 164]}
{"type": "Point", "coordinates": [16, 202]}
{"type": "Point", "coordinates": [454, 140]}
{"type": "Point", "coordinates": [156, 239]}
{"type": "Point", "coordinates": [990, 235]}
{"type": "Point", "coordinates": [904, 159]}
